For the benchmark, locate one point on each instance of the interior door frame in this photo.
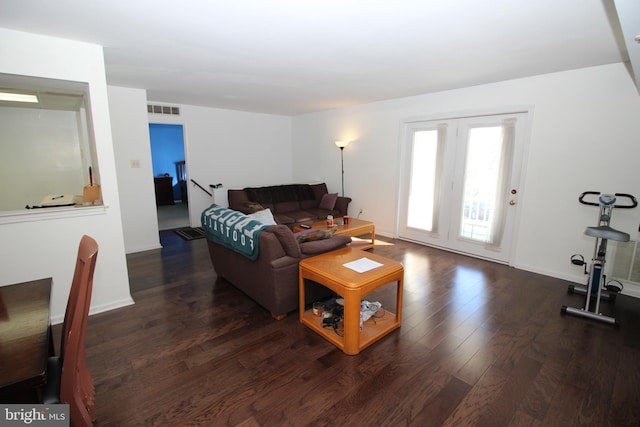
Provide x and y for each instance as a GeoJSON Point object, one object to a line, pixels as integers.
{"type": "Point", "coordinates": [527, 110]}
{"type": "Point", "coordinates": [183, 126]}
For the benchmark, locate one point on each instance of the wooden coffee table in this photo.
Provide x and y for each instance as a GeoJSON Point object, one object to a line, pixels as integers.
{"type": "Point", "coordinates": [355, 228]}
{"type": "Point", "coordinates": [328, 270]}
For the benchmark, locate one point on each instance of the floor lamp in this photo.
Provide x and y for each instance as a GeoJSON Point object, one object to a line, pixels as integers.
{"type": "Point", "coordinates": [341, 145]}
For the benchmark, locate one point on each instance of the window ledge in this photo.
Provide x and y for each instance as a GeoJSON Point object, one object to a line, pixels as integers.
{"type": "Point", "coordinates": [30, 215]}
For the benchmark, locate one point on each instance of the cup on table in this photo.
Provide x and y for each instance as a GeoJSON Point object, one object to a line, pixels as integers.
{"type": "Point", "coordinates": [318, 309]}
{"type": "Point", "coordinates": [330, 221]}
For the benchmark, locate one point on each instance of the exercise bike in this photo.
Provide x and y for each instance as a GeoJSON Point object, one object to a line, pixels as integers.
{"type": "Point", "coordinates": [596, 287]}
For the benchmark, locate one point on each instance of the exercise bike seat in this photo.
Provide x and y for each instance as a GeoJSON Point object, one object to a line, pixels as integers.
{"type": "Point", "coordinates": [606, 232]}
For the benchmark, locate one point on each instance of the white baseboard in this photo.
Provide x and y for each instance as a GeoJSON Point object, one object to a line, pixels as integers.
{"type": "Point", "coordinates": [144, 248]}
{"type": "Point", "coordinates": [99, 309]}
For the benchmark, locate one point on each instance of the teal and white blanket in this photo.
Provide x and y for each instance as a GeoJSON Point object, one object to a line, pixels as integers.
{"type": "Point", "coordinates": [233, 229]}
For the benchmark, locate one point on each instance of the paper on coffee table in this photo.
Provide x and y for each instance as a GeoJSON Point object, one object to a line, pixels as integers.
{"type": "Point", "coordinates": [363, 264]}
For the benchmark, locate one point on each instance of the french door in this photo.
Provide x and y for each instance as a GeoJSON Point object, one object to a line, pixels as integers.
{"type": "Point", "coordinates": [460, 183]}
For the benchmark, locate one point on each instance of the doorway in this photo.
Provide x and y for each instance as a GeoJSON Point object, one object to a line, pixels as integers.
{"type": "Point", "coordinates": [461, 183]}
{"type": "Point", "coordinates": [170, 175]}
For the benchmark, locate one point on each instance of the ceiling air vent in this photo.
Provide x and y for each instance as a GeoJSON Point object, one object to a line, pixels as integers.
{"type": "Point", "coordinates": [163, 109]}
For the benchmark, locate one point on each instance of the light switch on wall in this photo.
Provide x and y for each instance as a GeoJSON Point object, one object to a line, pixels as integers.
{"type": "Point", "coordinates": [135, 163]}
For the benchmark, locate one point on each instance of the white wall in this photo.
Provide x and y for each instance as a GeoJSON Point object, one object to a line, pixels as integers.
{"type": "Point", "coordinates": [585, 130]}
{"type": "Point", "coordinates": [54, 168]}
{"type": "Point", "coordinates": [46, 244]}
{"type": "Point", "coordinates": [128, 109]}
{"type": "Point", "coordinates": [235, 148]}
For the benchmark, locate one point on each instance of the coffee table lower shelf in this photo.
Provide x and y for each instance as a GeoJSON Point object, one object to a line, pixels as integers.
{"type": "Point", "coordinates": [332, 270]}
{"type": "Point", "coordinates": [373, 329]}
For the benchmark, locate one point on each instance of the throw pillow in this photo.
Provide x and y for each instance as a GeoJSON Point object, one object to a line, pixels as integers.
{"type": "Point", "coordinates": [314, 235]}
{"type": "Point", "coordinates": [254, 207]}
{"type": "Point", "coordinates": [287, 240]}
{"type": "Point", "coordinates": [264, 216]}
{"type": "Point", "coordinates": [328, 201]}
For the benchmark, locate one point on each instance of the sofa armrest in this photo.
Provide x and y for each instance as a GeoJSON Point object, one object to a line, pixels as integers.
{"type": "Point", "coordinates": [316, 247]}
{"type": "Point", "coordinates": [342, 205]}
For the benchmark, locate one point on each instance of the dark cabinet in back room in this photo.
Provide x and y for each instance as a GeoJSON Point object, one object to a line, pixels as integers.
{"type": "Point", "coordinates": [164, 190]}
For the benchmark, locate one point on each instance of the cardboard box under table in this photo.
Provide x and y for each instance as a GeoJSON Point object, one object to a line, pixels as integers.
{"type": "Point", "coordinates": [329, 270]}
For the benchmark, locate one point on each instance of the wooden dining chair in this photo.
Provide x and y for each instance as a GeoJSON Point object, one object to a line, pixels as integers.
{"type": "Point", "coordinates": [68, 379]}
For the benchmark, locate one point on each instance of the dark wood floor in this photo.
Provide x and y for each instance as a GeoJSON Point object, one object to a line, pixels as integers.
{"type": "Point", "coordinates": [480, 344]}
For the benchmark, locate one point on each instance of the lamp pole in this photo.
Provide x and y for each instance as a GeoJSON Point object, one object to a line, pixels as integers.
{"type": "Point", "coordinates": [341, 145]}
{"type": "Point", "coordinates": [342, 165]}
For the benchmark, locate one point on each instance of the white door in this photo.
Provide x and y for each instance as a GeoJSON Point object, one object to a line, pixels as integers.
{"type": "Point", "coordinates": [460, 185]}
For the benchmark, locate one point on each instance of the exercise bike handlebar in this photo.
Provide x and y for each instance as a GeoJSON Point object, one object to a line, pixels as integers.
{"type": "Point", "coordinates": [629, 197]}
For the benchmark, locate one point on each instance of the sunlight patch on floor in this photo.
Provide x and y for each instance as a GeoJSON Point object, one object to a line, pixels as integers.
{"type": "Point", "coordinates": [382, 243]}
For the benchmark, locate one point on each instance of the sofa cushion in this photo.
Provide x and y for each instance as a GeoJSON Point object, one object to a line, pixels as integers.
{"type": "Point", "coordinates": [309, 204]}
{"type": "Point", "coordinates": [283, 219]}
{"type": "Point", "coordinates": [271, 206]}
{"type": "Point", "coordinates": [302, 216]}
{"type": "Point", "coordinates": [264, 216]}
{"type": "Point", "coordinates": [328, 201]}
{"type": "Point", "coordinates": [321, 246]}
{"type": "Point", "coordinates": [318, 191]}
{"type": "Point", "coordinates": [287, 240]}
{"type": "Point", "coordinates": [322, 213]}
{"type": "Point", "coordinates": [280, 193]}
{"type": "Point", "coordinates": [289, 206]}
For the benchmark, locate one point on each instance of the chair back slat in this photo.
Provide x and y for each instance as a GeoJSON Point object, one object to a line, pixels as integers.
{"type": "Point", "coordinates": [76, 388]}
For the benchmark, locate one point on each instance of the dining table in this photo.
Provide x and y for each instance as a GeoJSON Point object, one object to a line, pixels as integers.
{"type": "Point", "coordinates": [25, 338]}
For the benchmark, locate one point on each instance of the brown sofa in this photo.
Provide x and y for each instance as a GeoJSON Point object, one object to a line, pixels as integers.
{"type": "Point", "coordinates": [272, 279]}
{"type": "Point", "coordinates": [290, 204]}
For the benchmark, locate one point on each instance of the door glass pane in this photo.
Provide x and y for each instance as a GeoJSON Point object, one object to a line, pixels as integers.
{"type": "Point", "coordinates": [482, 169]}
{"type": "Point", "coordinates": [422, 180]}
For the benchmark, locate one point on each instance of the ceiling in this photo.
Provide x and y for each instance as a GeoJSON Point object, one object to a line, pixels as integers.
{"type": "Point", "coordinates": [296, 56]}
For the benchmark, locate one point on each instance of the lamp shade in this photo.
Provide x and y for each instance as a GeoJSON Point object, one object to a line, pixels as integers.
{"type": "Point", "coordinates": [342, 144]}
